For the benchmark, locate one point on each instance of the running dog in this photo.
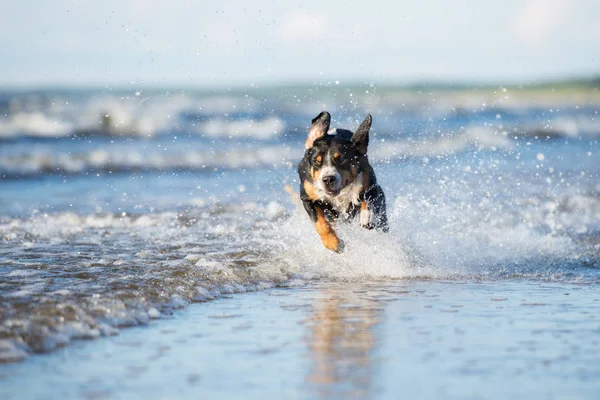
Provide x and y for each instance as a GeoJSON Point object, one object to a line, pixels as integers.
{"type": "Point", "coordinates": [336, 180]}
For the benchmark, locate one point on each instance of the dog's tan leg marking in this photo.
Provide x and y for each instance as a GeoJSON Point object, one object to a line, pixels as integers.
{"type": "Point", "coordinates": [328, 236]}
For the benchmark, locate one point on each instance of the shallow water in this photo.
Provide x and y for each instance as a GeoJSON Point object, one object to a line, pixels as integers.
{"type": "Point", "coordinates": [108, 223]}
{"type": "Point", "coordinates": [379, 339]}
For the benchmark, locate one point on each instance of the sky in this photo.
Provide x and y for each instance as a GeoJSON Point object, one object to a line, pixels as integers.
{"type": "Point", "coordinates": [220, 43]}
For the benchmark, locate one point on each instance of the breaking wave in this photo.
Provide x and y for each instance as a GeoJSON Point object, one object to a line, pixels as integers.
{"type": "Point", "coordinates": [262, 115]}
{"type": "Point", "coordinates": [134, 115]}
{"type": "Point", "coordinates": [114, 159]}
{"type": "Point", "coordinates": [87, 283]}
{"type": "Point", "coordinates": [108, 160]}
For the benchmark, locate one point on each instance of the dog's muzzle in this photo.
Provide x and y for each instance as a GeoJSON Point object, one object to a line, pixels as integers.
{"type": "Point", "coordinates": [331, 184]}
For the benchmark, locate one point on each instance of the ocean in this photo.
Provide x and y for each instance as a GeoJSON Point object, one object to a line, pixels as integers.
{"type": "Point", "coordinates": [119, 208]}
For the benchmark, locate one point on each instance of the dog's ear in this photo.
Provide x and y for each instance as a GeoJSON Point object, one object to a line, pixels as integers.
{"type": "Point", "coordinates": [319, 128]}
{"type": "Point", "coordinates": [361, 136]}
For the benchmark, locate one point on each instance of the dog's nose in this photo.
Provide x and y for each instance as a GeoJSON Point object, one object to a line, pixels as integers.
{"type": "Point", "coordinates": [329, 180]}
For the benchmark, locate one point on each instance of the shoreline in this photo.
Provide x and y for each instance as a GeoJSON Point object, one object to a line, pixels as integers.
{"type": "Point", "coordinates": [452, 339]}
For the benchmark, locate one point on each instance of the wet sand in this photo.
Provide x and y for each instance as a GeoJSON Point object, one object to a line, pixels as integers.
{"type": "Point", "coordinates": [385, 339]}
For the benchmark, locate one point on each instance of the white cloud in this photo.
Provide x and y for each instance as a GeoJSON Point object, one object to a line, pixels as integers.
{"type": "Point", "coordinates": [303, 25]}
{"type": "Point", "coordinates": [538, 20]}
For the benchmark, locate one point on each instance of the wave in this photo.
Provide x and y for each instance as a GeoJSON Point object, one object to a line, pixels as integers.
{"type": "Point", "coordinates": [85, 276]}
{"type": "Point", "coordinates": [255, 116]}
{"type": "Point", "coordinates": [473, 137]}
{"type": "Point", "coordinates": [116, 160]}
{"type": "Point", "coordinates": [103, 115]}
{"type": "Point", "coordinates": [261, 129]}
{"type": "Point", "coordinates": [119, 159]}
{"type": "Point", "coordinates": [177, 258]}
{"type": "Point", "coordinates": [561, 127]}
{"type": "Point", "coordinates": [39, 125]}
{"type": "Point", "coordinates": [35, 124]}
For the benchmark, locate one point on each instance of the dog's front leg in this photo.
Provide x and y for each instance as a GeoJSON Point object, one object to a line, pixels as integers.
{"type": "Point", "coordinates": [323, 227]}
{"type": "Point", "coordinates": [373, 210]}
{"type": "Point", "coordinates": [365, 215]}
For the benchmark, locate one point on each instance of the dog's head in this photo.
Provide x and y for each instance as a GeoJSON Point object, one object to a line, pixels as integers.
{"type": "Point", "coordinates": [337, 157]}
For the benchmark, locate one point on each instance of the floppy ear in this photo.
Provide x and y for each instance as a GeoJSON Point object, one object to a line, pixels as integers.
{"type": "Point", "coordinates": [361, 136]}
{"type": "Point", "coordinates": [320, 126]}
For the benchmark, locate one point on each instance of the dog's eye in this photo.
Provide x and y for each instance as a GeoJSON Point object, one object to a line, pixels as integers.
{"type": "Point", "coordinates": [318, 160]}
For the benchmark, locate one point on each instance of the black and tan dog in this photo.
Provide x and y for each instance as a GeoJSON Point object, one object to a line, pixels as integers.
{"type": "Point", "coordinates": [336, 180]}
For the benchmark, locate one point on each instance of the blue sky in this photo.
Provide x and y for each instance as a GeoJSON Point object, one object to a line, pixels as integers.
{"type": "Point", "coordinates": [219, 43]}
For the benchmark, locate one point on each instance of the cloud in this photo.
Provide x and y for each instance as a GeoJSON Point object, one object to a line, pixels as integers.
{"type": "Point", "coordinates": [299, 26]}
{"type": "Point", "coordinates": [538, 20]}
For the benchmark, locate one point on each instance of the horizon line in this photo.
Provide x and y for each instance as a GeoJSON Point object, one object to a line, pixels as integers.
{"type": "Point", "coordinates": [408, 84]}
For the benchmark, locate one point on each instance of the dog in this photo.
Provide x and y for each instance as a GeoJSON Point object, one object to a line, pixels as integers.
{"type": "Point", "coordinates": [336, 180]}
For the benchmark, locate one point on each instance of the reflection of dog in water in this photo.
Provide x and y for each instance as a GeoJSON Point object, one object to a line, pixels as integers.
{"type": "Point", "coordinates": [341, 342]}
{"type": "Point", "coordinates": [336, 180]}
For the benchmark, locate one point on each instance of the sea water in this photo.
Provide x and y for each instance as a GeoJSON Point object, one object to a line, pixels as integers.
{"type": "Point", "coordinates": [119, 207]}
{"type": "Point", "coordinates": [378, 339]}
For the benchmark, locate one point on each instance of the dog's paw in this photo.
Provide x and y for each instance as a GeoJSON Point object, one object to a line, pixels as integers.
{"type": "Point", "coordinates": [333, 243]}
{"type": "Point", "coordinates": [365, 218]}
{"type": "Point", "coordinates": [338, 246]}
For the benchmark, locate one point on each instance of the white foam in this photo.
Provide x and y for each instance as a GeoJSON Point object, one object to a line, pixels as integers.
{"type": "Point", "coordinates": [448, 238]}
{"type": "Point", "coordinates": [478, 137]}
{"type": "Point", "coordinates": [256, 129]}
{"type": "Point", "coordinates": [131, 115]}
{"type": "Point", "coordinates": [34, 124]}
{"type": "Point", "coordinates": [32, 163]}
{"type": "Point", "coordinates": [430, 237]}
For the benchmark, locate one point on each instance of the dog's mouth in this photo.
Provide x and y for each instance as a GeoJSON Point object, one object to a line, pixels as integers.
{"type": "Point", "coordinates": [332, 192]}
